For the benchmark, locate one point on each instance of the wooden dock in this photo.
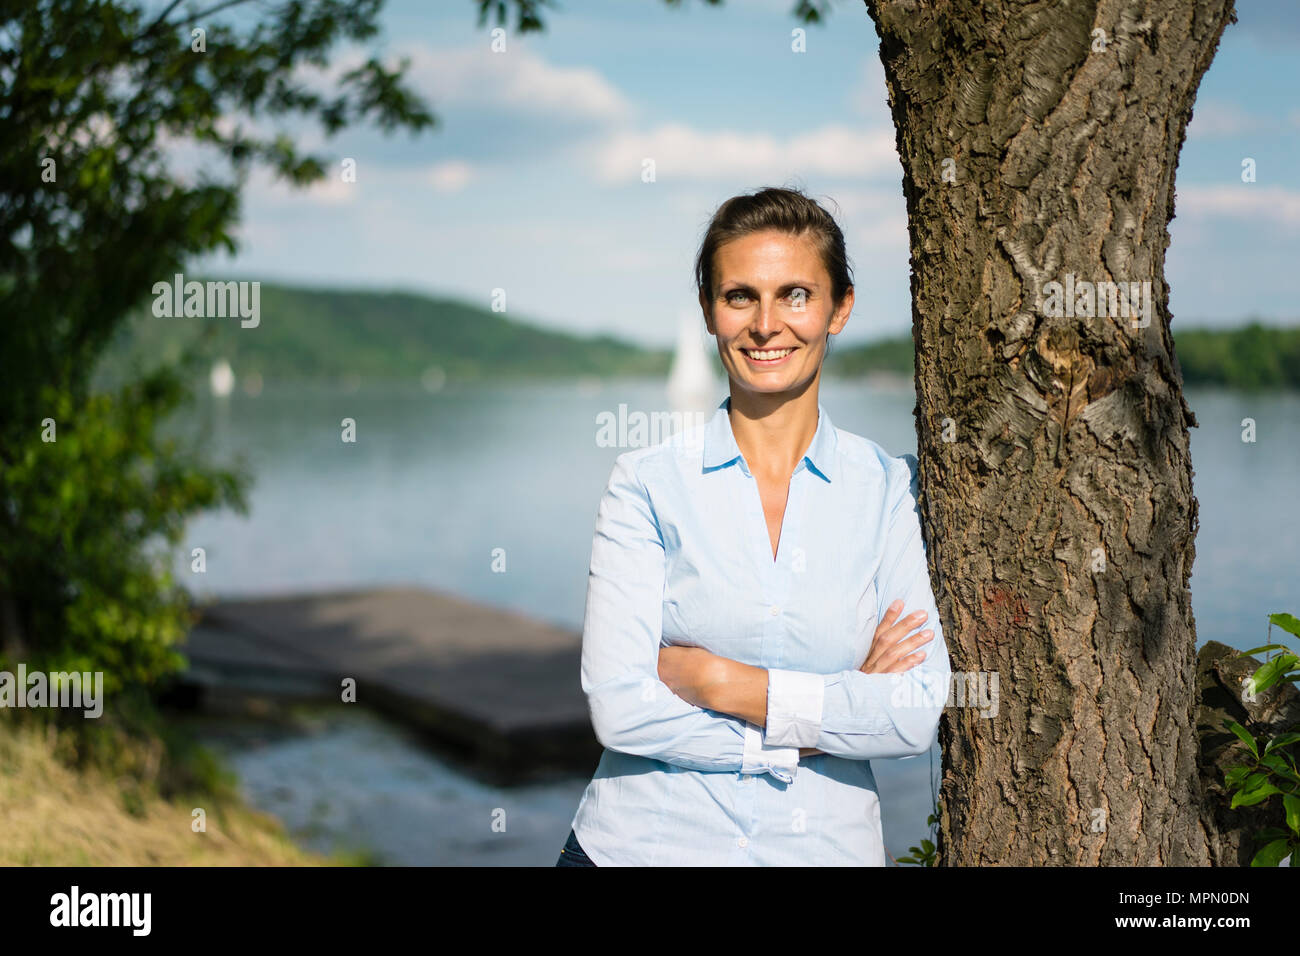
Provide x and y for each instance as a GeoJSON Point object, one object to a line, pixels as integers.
{"type": "Point", "coordinates": [496, 691]}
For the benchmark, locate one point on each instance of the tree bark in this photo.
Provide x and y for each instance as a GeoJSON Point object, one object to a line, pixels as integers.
{"type": "Point", "coordinates": [1056, 481]}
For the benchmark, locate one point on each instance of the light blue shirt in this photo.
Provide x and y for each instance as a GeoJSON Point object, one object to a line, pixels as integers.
{"type": "Point", "coordinates": [681, 555]}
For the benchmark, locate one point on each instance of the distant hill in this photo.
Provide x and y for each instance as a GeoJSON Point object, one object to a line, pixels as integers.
{"type": "Point", "coordinates": [1250, 357]}
{"type": "Point", "coordinates": [325, 334]}
{"type": "Point", "coordinates": [886, 355]}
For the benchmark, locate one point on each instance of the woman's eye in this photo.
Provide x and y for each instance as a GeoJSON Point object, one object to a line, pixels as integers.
{"type": "Point", "coordinates": [798, 294]}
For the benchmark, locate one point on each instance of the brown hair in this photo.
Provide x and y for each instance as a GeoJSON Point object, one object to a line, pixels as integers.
{"type": "Point", "coordinates": [786, 210]}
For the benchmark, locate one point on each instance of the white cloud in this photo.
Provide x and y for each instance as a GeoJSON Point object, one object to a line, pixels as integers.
{"type": "Point", "coordinates": [1248, 201]}
{"type": "Point", "coordinates": [518, 80]}
{"type": "Point", "coordinates": [870, 98]}
{"type": "Point", "coordinates": [1216, 119]}
{"type": "Point", "coordinates": [265, 191]}
{"type": "Point", "coordinates": [330, 191]}
{"type": "Point", "coordinates": [451, 176]}
{"type": "Point", "coordinates": [680, 152]}
{"type": "Point", "coordinates": [872, 218]}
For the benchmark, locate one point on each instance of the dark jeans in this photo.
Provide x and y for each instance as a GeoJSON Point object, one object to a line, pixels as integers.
{"type": "Point", "coordinates": [572, 854]}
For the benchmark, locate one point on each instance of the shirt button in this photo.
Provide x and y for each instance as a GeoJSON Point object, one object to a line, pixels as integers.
{"type": "Point", "coordinates": [743, 842]}
{"type": "Point", "coordinates": [776, 611]}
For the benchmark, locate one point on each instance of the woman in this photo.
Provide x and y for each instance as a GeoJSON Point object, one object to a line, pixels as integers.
{"type": "Point", "coordinates": [744, 653]}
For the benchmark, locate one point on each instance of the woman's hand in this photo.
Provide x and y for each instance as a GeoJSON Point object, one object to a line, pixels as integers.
{"type": "Point", "coordinates": [892, 652]}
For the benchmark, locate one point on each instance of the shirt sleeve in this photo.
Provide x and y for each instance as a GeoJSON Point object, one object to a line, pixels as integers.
{"type": "Point", "coordinates": [864, 716]}
{"type": "Point", "coordinates": [632, 710]}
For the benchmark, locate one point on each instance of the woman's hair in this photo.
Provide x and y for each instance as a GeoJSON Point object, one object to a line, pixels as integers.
{"type": "Point", "coordinates": [783, 209]}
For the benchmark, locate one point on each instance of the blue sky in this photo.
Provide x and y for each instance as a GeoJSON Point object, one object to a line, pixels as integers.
{"type": "Point", "coordinates": [531, 181]}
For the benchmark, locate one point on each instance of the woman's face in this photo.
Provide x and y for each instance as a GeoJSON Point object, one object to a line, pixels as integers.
{"type": "Point", "coordinates": [772, 311]}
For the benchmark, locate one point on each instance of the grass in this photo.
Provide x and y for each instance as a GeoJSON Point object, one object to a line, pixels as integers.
{"type": "Point", "coordinates": [57, 810]}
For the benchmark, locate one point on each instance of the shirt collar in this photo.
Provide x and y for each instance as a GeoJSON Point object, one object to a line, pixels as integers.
{"type": "Point", "coordinates": [720, 446]}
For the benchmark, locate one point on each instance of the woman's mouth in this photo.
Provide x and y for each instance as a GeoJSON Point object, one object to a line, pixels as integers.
{"type": "Point", "coordinates": [767, 357]}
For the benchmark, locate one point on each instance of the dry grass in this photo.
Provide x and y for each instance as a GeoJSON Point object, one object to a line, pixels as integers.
{"type": "Point", "coordinates": [52, 815]}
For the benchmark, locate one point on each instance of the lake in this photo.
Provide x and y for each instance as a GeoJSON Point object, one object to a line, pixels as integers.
{"type": "Point", "coordinates": [440, 487]}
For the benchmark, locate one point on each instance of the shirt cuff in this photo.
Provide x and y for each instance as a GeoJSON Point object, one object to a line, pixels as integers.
{"type": "Point", "coordinates": [794, 708]}
{"type": "Point", "coordinates": [780, 762]}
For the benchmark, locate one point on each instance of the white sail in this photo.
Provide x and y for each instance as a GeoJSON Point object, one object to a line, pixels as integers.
{"type": "Point", "coordinates": [221, 379]}
{"type": "Point", "coordinates": [692, 386]}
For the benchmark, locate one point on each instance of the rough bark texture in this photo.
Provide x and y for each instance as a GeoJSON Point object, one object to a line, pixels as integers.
{"type": "Point", "coordinates": [1047, 444]}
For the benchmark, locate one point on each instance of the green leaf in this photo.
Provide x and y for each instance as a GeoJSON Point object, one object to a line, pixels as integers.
{"type": "Point", "coordinates": [1275, 762]}
{"type": "Point", "coordinates": [1233, 777]}
{"type": "Point", "coordinates": [1264, 647]}
{"type": "Point", "coordinates": [1269, 673]}
{"type": "Point", "coordinates": [1272, 854]}
{"type": "Point", "coordinates": [1292, 805]}
{"type": "Point", "coordinates": [1250, 797]}
{"type": "Point", "coordinates": [1245, 736]}
{"type": "Point", "coordinates": [1283, 740]}
{"type": "Point", "coordinates": [1286, 622]}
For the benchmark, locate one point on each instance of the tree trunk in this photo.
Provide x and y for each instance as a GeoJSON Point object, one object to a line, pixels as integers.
{"type": "Point", "coordinates": [1053, 444]}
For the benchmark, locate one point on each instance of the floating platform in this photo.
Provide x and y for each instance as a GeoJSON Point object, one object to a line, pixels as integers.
{"type": "Point", "coordinates": [496, 691]}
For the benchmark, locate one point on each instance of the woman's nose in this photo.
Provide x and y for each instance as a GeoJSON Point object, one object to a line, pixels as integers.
{"type": "Point", "coordinates": [766, 322]}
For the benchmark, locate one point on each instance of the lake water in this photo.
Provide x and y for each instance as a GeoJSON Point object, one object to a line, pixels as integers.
{"type": "Point", "coordinates": [439, 486]}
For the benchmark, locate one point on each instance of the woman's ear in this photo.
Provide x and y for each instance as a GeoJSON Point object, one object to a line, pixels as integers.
{"type": "Point", "coordinates": [842, 312]}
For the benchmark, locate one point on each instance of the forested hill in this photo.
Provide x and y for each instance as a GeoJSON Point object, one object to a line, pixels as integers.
{"type": "Point", "coordinates": [1249, 357]}
{"type": "Point", "coordinates": [324, 334]}
{"type": "Point", "coordinates": [327, 335]}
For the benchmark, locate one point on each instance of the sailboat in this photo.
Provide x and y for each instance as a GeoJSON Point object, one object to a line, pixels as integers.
{"type": "Point", "coordinates": [221, 379]}
{"type": "Point", "coordinates": [692, 386]}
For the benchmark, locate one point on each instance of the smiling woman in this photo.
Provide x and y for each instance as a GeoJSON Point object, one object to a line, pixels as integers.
{"type": "Point", "coordinates": [744, 652]}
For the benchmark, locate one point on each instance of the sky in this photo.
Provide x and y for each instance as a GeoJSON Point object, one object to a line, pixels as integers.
{"type": "Point", "coordinates": [531, 181]}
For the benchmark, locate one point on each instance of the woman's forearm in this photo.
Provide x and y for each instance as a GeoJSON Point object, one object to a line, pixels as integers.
{"type": "Point", "coordinates": [740, 690]}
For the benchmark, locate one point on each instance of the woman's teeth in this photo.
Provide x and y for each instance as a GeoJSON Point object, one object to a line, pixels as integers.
{"type": "Point", "coordinates": [767, 355]}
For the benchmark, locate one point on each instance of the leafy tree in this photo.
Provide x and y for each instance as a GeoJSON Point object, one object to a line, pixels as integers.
{"type": "Point", "coordinates": [92, 214]}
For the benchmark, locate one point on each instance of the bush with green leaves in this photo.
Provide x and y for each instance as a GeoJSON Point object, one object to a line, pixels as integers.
{"type": "Point", "coordinates": [926, 854]}
{"type": "Point", "coordinates": [1273, 771]}
{"type": "Point", "coordinates": [97, 502]}
{"type": "Point", "coordinates": [94, 96]}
